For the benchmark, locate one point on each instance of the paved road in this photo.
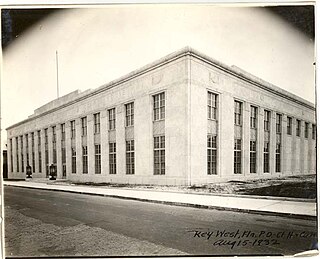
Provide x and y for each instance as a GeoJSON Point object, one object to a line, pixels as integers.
{"type": "Point", "coordinates": [190, 230]}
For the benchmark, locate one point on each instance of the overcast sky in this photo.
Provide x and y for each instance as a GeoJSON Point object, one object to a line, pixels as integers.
{"type": "Point", "coordinates": [96, 46]}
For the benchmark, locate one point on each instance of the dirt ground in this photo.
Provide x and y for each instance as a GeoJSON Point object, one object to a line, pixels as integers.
{"type": "Point", "coordinates": [292, 186]}
{"type": "Point", "coordinates": [26, 236]}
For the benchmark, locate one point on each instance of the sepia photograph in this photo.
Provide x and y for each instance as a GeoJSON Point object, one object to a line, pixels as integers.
{"type": "Point", "coordinates": [158, 130]}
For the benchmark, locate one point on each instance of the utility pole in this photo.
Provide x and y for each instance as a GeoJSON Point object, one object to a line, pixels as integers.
{"type": "Point", "coordinates": [57, 74]}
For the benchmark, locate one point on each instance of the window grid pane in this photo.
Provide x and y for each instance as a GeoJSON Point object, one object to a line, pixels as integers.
{"type": "Point", "coordinates": [159, 107]}
{"type": "Point", "coordinates": [112, 158]}
{"type": "Point", "coordinates": [159, 155]}
{"type": "Point", "coordinates": [212, 154]}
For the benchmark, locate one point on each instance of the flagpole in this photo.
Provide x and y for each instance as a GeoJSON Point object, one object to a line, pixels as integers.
{"type": "Point", "coordinates": [57, 74]}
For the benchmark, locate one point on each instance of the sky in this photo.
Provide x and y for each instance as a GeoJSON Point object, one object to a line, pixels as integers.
{"type": "Point", "coordinates": [96, 46]}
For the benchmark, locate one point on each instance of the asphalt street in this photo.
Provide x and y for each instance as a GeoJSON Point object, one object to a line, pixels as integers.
{"type": "Point", "coordinates": [190, 230]}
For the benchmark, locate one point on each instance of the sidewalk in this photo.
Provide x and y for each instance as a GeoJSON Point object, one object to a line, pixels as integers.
{"type": "Point", "coordinates": [296, 209]}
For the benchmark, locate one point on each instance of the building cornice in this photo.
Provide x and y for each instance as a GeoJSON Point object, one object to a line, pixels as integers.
{"type": "Point", "coordinates": [185, 52]}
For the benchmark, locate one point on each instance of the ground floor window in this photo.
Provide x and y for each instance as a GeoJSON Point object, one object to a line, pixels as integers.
{"type": "Point", "coordinates": [130, 157]}
{"type": "Point", "coordinates": [33, 163]}
{"type": "Point", "coordinates": [159, 155]}
{"type": "Point", "coordinates": [22, 163]}
{"type": "Point", "coordinates": [212, 154]}
{"type": "Point", "coordinates": [266, 157]}
{"type": "Point", "coordinates": [47, 162]}
{"type": "Point", "coordinates": [97, 159]}
{"type": "Point", "coordinates": [112, 158]}
{"type": "Point", "coordinates": [73, 160]}
{"type": "Point", "coordinates": [253, 157]}
{"type": "Point", "coordinates": [237, 156]}
{"type": "Point", "coordinates": [278, 157]}
{"type": "Point", "coordinates": [40, 162]}
{"type": "Point", "coordinates": [84, 159]}
{"type": "Point", "coordinates": [17, 163]}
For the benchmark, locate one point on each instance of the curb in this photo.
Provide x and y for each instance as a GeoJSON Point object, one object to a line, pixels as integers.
{"type": "Point", "coordinates": [182, 204]}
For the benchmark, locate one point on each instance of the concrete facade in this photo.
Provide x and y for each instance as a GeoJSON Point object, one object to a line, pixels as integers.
{"type": "Point", "coordinates": [185, 79]}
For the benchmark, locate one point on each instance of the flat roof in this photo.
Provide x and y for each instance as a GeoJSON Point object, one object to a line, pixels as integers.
{"type": "Point", "coordinates": [187, 51]}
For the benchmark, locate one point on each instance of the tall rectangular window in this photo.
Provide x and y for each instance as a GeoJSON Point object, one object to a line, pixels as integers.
{"type": "Point", "coordinates": [46, 151]}
{"type": "Point", "coordinates": [298, 128]}
{"type": "Point", "coordinates": [97, 159]}
{"type": "Point", "coordinates": [63, 132]}
{"type": "Point", "coordinates": [253, 117]}
{"type": "Point", "coordinates": [46, 137]}
{"type": "Point", "coordinates": [27, 149]}
{"type": "Point", "coordinates": [237, 113]}
{"type": "Point", "coordinates": [54, 138]}
{"type": "Point", "coordinates": [32, 140]}
{"type": "Point", "coordinates": [73, 160]}
{"type": "Point", "coordinates": [278, 157]}
{"type": "Point", "coordinates": [159, 107]}
{"type": "Point", "coordinates": [159, 155]}
{"type": "Point", "coordinates": [84, 159]}
{"type": "Point", "coordinates": [129, 114]}
{"type": "Point", "coordinates": [112, 158]}
{"type": "Point", "coordinates": [266, 157]}
{"type": "Point", "coordinates": [40, 161]}
{"type": "Point", "coordinates": [130, 157]}
{"type": "Point", "coordinates": [313, 131]}
{"type": "Point", "coordinates": [22, 160]}
{"type": "Point", "coordinates": [212, 106]}
{"type": "Point", "coordinates": [266, 121]}
{"type": "Point", "coordinates": [306, 130]}
{"type": "Point", "coordinates": [17, 152]}
{"type": "Point", "coordinates": [54, 145]}
{"type": "Point", "coordinates": [237, 156]}
{"type": "Point", "coordinates": [96, 120]}
{"type": "Point", "coordinates": [289, 125]}
{"type": "Point", "coordinates": [212, 154]}
{"type": "Point", "coordinates": [112, 119]}
{"type": "Point", "coordinates": [39, 138]}
{"type": "Point", "coordinates": [84, 126]}
{"type": "Point", "coordinates": [253, 157]}
{"type": "Point", "coordinates": [278, 123]}
{"type": "Point", "coordinates": [73, 129]}
{"type": "Point", "coordinates": [11, 155]}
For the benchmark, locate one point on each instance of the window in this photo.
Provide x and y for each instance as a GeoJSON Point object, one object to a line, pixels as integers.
{"type": "Point", "coordinates": [112, 119]}
{"type": "Point", "coordinates": [63, 132]}
{"type": "Point", "coordinates": [33, 163]}
{"type": "Point", "coordinates": [278, 157]}
{"type": "Point", "coordinates": [266, 157]}
{"type": "Point", "coordinates": [313, 131]}
{"type": "Point", "coordinates": [11, 155]}
{"type": "Point", "coordinates": [289, 125]}
{"type": "Point", "coordinates": [266, 120]}
{"type": "Point", "coordinates": [159, 155]}
{"type": "Point", "coordinates": [45, 138]}
{"type": "Point", "coordinates": [63, 155]}
{"type": "Point", "coordinates": [40, 161]}
{"type": "Point", "coordinates": [32, 140]}
{"type": "Point", "coordinates": [112, 158]}
{"type": "Point", "coordinates": [73, 129]}
{"type": "Point", "coordinates": [237, 156]}
{"type": "Point", "coordinates": [278, 123]}
{"type": "Point", "coordinates": [73, 160]}
{"type": "Point", "coordinates": [253, 157]}
{"type": "Point", "coordinates": [22, 160]}
{"type": "Point", "coordinates": [17, 150]}
{"type": "Point", "coordinates": [212, 154]}
{"type": "Point", "coordinates": [84, 126]}
{"type": "Point", "coordinates": [298, 128]}
{"type": "Point", "coordinates": [306, 130]}
{"type": "Point", "coordinates": [27, 142]}
{"type": "Point", "coordinates": [212, 106]}
{"type": "Point", "coordinates": [130, 157]}
{"type": "Point", "coordinates": [85, 159]}
{"type": "Point", "coordinates": [39, 138]}
{"type": "Point", "coordinates": [129, 114]}
{"type": "Point", "coordinates": [97, 159]}
{"type": "Point", "coordinates": [96, 118]}
{"type": "Point", "coordinates": [237, 113]}
{"type": "Point", "coordinates": [54, 134]}
{"type": "Point", "coordinates": [159, 107]}
{"type": "Point", "coordinates": [253, 117]}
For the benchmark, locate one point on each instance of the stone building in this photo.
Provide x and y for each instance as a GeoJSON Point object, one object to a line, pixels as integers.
{"type": "Point", "coordinates": [184, 119]}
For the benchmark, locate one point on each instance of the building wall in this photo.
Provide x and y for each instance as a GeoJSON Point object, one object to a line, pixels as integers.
{"type": "Point", "coordinates": [298, 154]}
{"type": "Point", "coordinates": [186, 80]}
{"type": "Point", "coordinates": [171, 79]}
